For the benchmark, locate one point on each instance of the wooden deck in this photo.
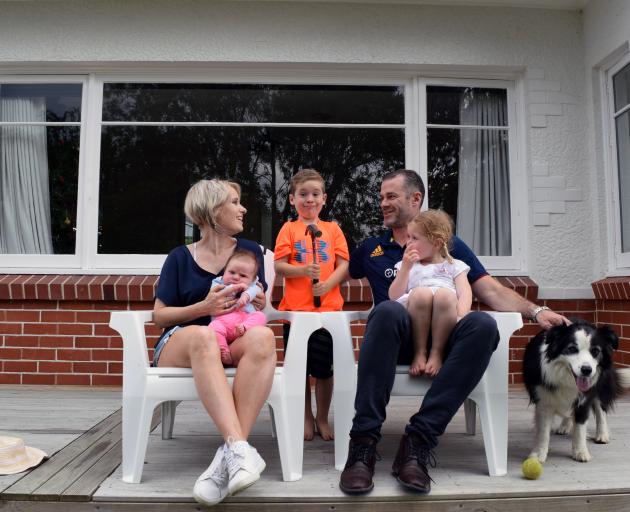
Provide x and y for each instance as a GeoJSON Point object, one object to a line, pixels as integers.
{"type": "Point", "coordinates": [81, 427]}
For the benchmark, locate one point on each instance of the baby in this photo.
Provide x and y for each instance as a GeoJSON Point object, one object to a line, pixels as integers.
{"type": "Point", "coordinates": [240, 272]}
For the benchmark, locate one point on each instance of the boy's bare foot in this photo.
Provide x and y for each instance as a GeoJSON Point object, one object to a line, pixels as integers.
{"type": "Point", "coordinates": [239, 330]}
{"type": "Point", "coordinates": [418, 365]}
{"type": "Point", "coordinates": [226, 356]}
{"type": "Point", "coordinates": [309, 427]}
{"type": "Point", "coordinates": [434, 364]}
{"type": "Point", "coordinates": [323, 428]}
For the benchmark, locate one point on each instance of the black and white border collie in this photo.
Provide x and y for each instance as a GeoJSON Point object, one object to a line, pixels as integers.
{"type": "Point", "coordinates": [568, 370]}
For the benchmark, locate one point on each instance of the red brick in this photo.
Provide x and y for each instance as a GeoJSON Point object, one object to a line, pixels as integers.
{"type": "Point", "coordinates": [43, 286]}
{"type": "Point", "coordinates": [93, 317]}
{"type": "Point", "coordinates": [114, 368]}
{"type": "Point", "coordinates": [20, 366]}
{"type": "Point", "coordinates": [10, 353]}
{"type": "Point", "coordinates": [89, 367]}
{"type": "Point", "coordinates": [55, 367]}
{"type": "Point", "coordinates": [20, 315]}
{"type": "Point", "coordinates": [59, 316]}
{"type": "Point", "coordinates": [38, 378]}
{"type": "Point", "coordinates": [116, 342]}
{"type": "Point", "coordinates": [104, 330]}
{"type": "Point", "coordinates": [38, 354]}
{"type": "Point", "coordinates": [73, 380]}
{"type": "Point", "coordinates": [41, 328]}
{"type": "Point", "coordinates": [106, 355]}
{"type": "Point", "coordinates": [40, 304]}
{"type": "Point", "coordinates": [7, 328]}
{"type": "Point", "coordinates": [55, 341]}
{"type": "Point", "coordinates": [74, 355]}
{"type": "Point", "coordinates": [10, 378]}
{"type": "Point", "coordinates": [106, 380]}
{"type": "Point", "coordinates": [91, 342]}
{"type": "Point", "coordinates": [78, 305]}
{"type": "Point", "coordinates": [21, 341]}
{"type": "Point", "coordinates": [76, 329]}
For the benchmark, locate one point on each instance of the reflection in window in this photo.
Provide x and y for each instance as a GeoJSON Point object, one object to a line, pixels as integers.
{"type": "Point", "coordinates": [146, 172]}
{"type": "Point", "coordinates": [468, 168]}
{"type": "Point", "coordinates": [38, 167]}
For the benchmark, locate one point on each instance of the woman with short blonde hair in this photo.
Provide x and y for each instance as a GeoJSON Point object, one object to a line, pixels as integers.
{"type": "Point", "coordinates": [185, 305]}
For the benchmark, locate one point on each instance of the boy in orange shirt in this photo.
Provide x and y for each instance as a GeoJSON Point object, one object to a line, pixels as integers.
{"type": "Point", "coordinates": [294, 261]}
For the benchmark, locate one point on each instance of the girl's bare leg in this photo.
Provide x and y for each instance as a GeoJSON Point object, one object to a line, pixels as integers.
{"type": "Point", "coordinates": [442, 324]}
{"type": "Point", "coordinates": [420, 306]}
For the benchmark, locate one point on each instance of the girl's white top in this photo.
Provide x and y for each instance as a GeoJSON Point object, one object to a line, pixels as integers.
{"type": "Point", "coordinates": [432, 275]}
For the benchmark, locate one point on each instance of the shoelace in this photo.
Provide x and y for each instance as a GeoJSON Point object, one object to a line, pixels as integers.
{"type": "Point", "coordinates": [234, 455]}
{"type": "Point", "coordinates": [423, 455]}
{"type": "Point", "coordinates": [362, 452]}
{"type": "Point", "coordinates": [219, 474]}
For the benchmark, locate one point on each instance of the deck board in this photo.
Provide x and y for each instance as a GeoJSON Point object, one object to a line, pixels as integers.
{"type": "Point", "coordinates": [171, 468]}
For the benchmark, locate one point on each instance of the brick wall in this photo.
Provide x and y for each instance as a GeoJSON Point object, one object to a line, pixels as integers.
{"type": "Point", "coordinates": [54, 329]}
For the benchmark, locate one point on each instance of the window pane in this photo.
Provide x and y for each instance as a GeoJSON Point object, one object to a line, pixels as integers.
{"type": "Point", "coordinates": [146, 172]}
{"type": "Point", "coordinates": [621, 85]}
{"type": "Point", "coordinates": [62, 101]}
{"type": "Point", "coordinates": [467, 105]}
{"type": "Point", "coordinates": [623, 159]}
{"type": "Point", "coordinates": [256, 103]}
{"type": "Point", "coordinates": [38, 189]}
{"type": "Point", "coordinates": [468, 175]}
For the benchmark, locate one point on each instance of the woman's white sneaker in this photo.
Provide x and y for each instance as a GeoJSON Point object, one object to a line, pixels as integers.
{"type": "Point", "coordinates": [212, 486]}
{"type": "Point", "coordinates": [244, 465]}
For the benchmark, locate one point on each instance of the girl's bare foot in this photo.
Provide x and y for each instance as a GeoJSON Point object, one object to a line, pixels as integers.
{"type": "Point", "coordinates": [226, 356]}
{"type": "Point", "coordinates": [239, 330]}
{"type": "Point", "coordinates": [434, 364]}
{"type": "Point", "coordinates": [418, 365]}
{"type": "Point", "coordinates": [323, 428]}
{"type": "Point", "coordinates": [309, 427]}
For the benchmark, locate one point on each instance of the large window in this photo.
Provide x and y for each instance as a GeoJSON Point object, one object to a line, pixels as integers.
{"type": "Point", "coordinates": [40, 125]}
{"type": "Point", "coordinates": [104, 191]}
{"type": "Point", "coordinates": [620, 109]}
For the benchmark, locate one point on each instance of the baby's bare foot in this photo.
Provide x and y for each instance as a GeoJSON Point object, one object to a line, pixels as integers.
{"type": "Point", "coordinates": [418, 365]}
{"type": "Point", "coordinates": [434, 364]}
{"type": "Point", "coordinates": [239, 330]}
{"type": "Point", "coordinates": [323, 428]}
{"type": "Point", "coordinates": [226, 356]}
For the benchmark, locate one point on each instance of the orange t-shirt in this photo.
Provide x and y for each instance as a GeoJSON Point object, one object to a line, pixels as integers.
{"type": "Point", "coordinates": [293, 242]}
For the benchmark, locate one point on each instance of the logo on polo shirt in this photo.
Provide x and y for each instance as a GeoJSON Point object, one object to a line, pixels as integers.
{"type": "Point", "coordinates": [377, 252]}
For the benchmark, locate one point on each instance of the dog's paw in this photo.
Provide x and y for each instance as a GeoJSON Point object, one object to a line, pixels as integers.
{"type": "Point", "coordinates": [603, 438]}
{"type": "Point", "coordinates": [566, 427]}
{"type": "Point", "coordinates": [582, 455]}
{"type": "Point", "coordinates": [540, 455]}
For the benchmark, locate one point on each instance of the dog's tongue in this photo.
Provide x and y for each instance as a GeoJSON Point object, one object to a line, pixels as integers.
{"type": "Point", "coordinates": [582, 384]}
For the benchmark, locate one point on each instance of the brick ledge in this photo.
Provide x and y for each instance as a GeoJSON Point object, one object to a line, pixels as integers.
{"type": "Point", "coordinates": [612, 288]}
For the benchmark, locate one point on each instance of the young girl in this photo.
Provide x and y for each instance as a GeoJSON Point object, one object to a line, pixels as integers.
{"type": "Point", "coordinates": [240, 275]}
{"type": "Point", "coordinates": [433, 286]}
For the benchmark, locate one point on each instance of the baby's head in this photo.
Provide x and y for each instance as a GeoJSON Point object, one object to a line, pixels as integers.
{"type": "Point", "coordinates": [241, 268]}
{"type": "Point", "coordinates": [307, 194]}
{"type": "Point", "coordinates": [437, 227]}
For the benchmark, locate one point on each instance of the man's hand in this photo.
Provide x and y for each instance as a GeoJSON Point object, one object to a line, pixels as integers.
{"type": "Point", "coordinates": [548, 318]}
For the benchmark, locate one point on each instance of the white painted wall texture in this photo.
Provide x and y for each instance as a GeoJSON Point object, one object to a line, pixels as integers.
{"type": "Point", "coordinates": [545, 45]}
{"type": "Point", "coordinates": [606, 39]}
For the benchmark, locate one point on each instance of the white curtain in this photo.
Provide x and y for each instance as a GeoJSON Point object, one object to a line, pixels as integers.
{"type": "Point", "coordinates": [483, 203]}
{"type": "Point", "coordinates": [24, 190]}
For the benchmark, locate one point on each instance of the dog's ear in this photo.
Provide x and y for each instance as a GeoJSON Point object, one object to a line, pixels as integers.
{"type": "Point", "coordinates": [609, 336]}
{"type": "Point", "coordinates": [553, 336]}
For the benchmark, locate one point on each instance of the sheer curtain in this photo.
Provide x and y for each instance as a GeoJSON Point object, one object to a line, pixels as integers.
{"type": "Point", "coordinates": [25, 226]}
{"type": "Point", "coordinates": [483, 203]}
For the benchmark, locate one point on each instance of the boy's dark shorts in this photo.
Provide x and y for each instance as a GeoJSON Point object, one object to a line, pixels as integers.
{"type": "Point", "coordinates": [319, 355]}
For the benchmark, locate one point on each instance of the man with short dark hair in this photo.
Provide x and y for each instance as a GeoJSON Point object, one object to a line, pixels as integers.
{"type": "Point", "coordinates": [388, 342]}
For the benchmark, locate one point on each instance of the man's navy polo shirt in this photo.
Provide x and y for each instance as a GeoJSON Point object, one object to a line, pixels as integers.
{"type": "Point", "coordinates": [375, 259]}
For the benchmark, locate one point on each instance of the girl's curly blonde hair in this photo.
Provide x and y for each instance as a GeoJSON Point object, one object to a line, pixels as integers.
{"type": "Point", "coordinates": [437, 226]}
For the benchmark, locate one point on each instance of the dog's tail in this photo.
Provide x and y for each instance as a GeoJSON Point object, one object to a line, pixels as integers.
{"type": "Point", "coordinates": [623, 375]}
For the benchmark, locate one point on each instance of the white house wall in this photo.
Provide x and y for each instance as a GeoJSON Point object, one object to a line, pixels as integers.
{"type": "Point", "coordinates": [542, 49]}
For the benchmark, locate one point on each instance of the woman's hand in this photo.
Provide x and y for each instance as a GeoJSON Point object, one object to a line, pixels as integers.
{"type": "Point", "coordinates": [260, 300]}
{"type": "Point", "coordinates": [220, 300]}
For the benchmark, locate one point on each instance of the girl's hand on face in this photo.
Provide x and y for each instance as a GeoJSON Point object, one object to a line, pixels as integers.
{"type": "Point", "coordinates": [410, 256]}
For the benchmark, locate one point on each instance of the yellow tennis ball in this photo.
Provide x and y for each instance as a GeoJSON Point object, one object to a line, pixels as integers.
{"type": "Point", "coordinates": [532, 468]}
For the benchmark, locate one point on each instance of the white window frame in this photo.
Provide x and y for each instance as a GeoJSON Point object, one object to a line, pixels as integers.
{"type": "Point", "coordinates": [88, 261]}
{"type": "Point", "coordinates": [515, 263]}
{"type": "Point", "coordinates": [619, 261]}
{"type": "Point", "coordinates": [61, 263]}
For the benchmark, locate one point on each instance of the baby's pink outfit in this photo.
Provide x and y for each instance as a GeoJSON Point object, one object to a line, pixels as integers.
{"type": "Point", "coordinates": [224, 327]}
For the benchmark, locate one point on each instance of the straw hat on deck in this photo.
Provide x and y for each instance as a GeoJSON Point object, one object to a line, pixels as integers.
{"type": "Point", "coordinates": [16, 457]}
